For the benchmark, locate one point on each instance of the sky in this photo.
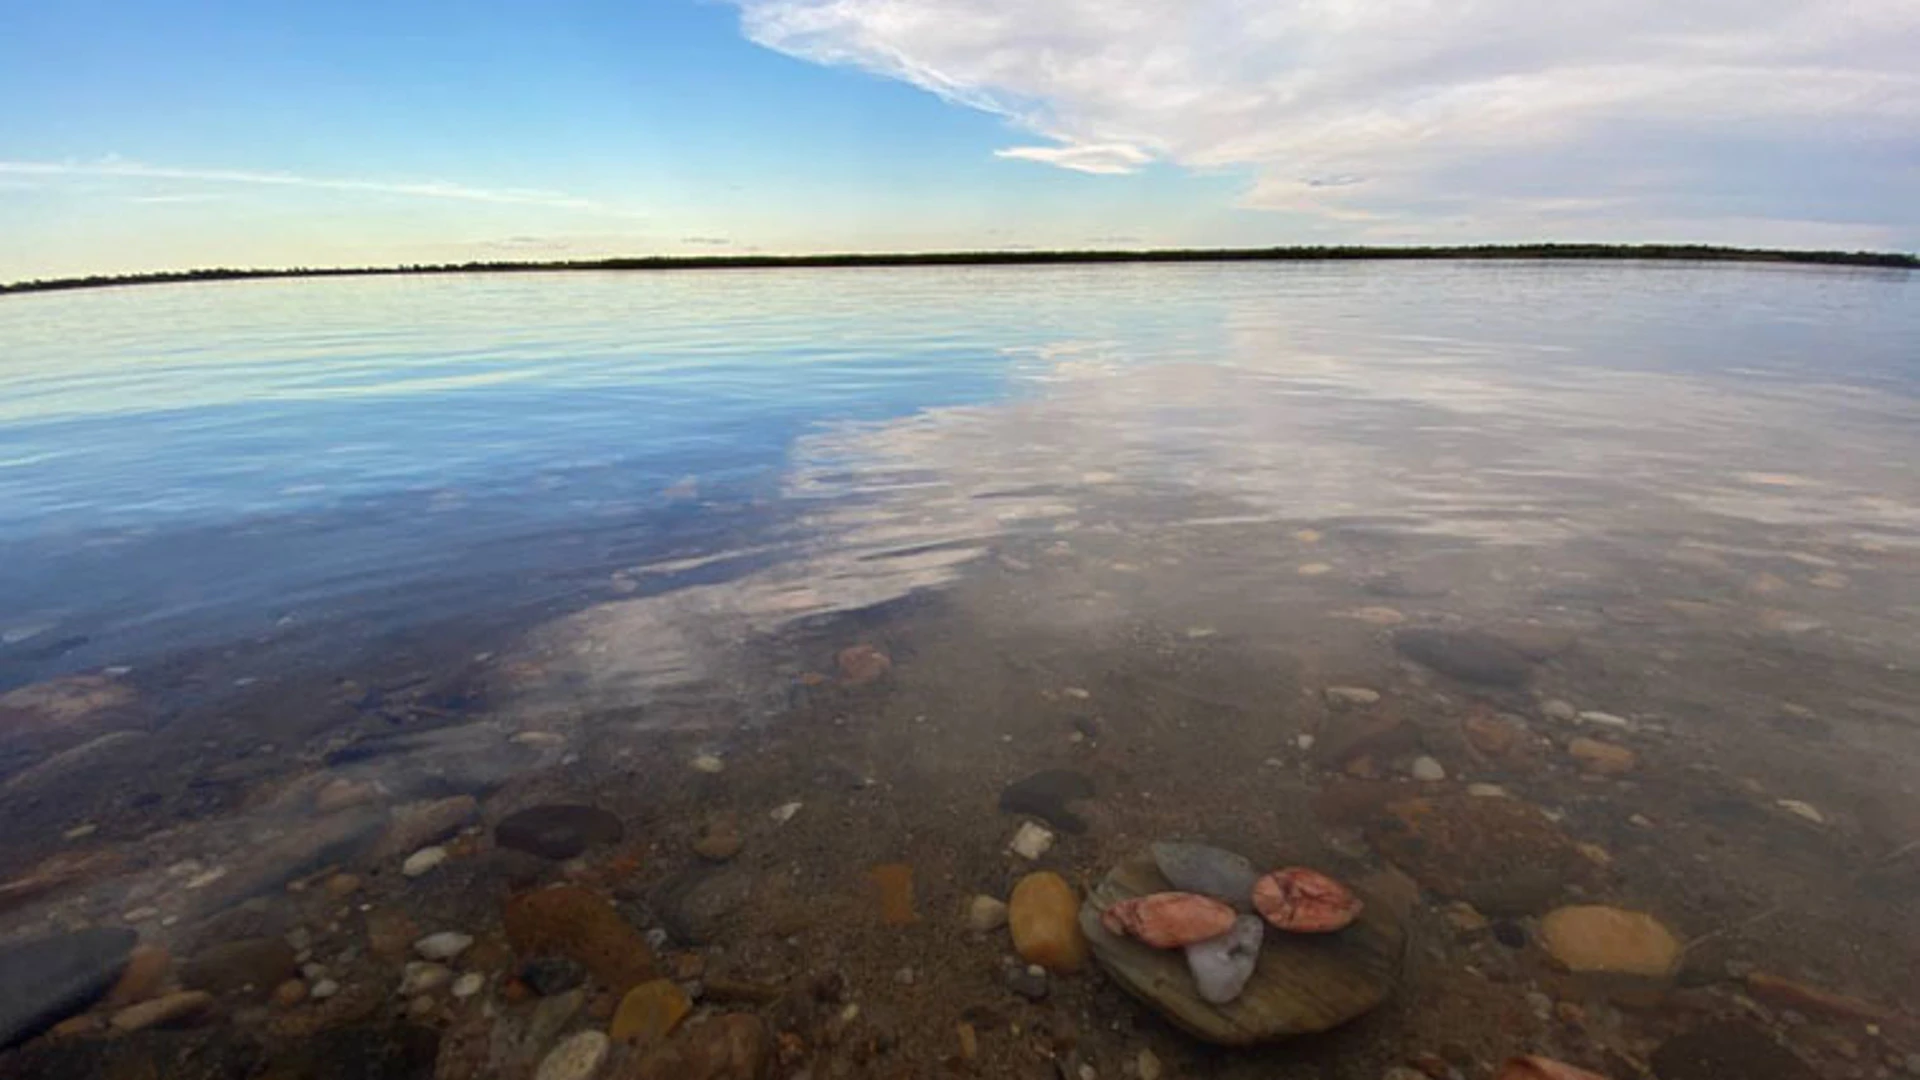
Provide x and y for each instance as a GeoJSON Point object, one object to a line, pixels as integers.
{"type": "Point", "coordinates": [143, 136]}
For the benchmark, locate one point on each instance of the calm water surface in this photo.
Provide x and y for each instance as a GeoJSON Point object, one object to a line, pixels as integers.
{"type": "Point", "coordinates": [1632, 551]}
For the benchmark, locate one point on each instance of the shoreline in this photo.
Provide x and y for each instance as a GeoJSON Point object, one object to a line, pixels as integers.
{"type": "Point", "coordinates": [1542, 252]}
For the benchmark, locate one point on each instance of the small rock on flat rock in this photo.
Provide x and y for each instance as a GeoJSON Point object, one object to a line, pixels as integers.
{"type": "Point", "coordinates": [1169, 920]}
{"type": "Point", "coordinates": [558, 830]}
{"type": "Point", "coordinates": [420, 977]}
{"type": "Point", "coordinates": [784, 812]}
{"type": "Point", "coordinates": [45, 980]}
{"type": "Point", "coordinates": [1594, 937]}
{"type": "Point", "coordinates": [986, 914]}
{"type": "Point", "coordinates": [578, 1057]}
{"type": "Point", "coordinates": [1207, 870]}
{"type": "Point", "coordinates": [709, 764]}
{"type": "Point", "coordinates": [1468, 655]}
{"type": "Point", "coordinates": [1725, 1050]}
{"type": "Point", "coordinates": [1031, 841]}
{"type": "Point", "coordinates": [1300, 984]}
{"type": "Point", "coordinates": [1222, 965]}
{"type": "Point", "coordinates": [1303, 901]}
{"type": "Point", "coordinates": [862, 664]}
{"type": "Point", "coordinates": [1045, 795]}
{"type": "Point", "coordinates": [185, 1006]}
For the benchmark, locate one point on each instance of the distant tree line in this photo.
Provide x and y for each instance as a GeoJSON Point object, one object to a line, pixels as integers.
{"type": "Point", "coordinates": [1673, 252]}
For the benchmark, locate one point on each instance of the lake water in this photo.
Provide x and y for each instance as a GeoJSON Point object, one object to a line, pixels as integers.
{"type": "Point", "coordinates": [1521, 586]}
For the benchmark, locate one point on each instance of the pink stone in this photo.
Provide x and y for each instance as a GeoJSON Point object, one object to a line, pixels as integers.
{"type": "Point", "coordinates": [1169, 920]}
{"type": "Point", "coordinates": [1305, 901]}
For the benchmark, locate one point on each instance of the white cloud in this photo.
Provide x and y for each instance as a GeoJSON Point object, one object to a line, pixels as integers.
{"type": "Point", "coordinates": [1607, 115]}
{"type": "Point", "coordinates": [117, 168]}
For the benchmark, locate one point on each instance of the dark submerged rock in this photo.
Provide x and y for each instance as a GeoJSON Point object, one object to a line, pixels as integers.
{"type": "Point", "coordinates": [558, 830]}
{"type": "Point", "coordinates": [1468, 655]}
{"type": "Point", "coordinates": [1727, 1049]}
{"type": "Point", "coordinates": [46, 980]}
{"type": "Point", "coordinates": [1045, 795]}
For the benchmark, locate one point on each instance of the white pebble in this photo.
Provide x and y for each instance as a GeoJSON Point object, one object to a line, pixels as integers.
{"type": "Point", "coordinates": [708, 763]}
{"type": "Point", "coordinates": [423, 860]}
{"type": "Point", "coordinates": [1487, 791]}
{"type": "Point", "coordinates": [986, 914]}
{"type": "Point", "coordinates": [578, 1057]}
{"type": "Point", "coordinates": [421, 977]}
{"type": "Point", "coordinates": [1805, 810]}
{"type": "Point", "coordinates": [1352, 695]}
{"type": "Point", "coordinates": [323, 989]}
{"type": "Point", "coordinates": [1605, 719]}
{"type": "Point", "coordinates": [1428, 769]}
{"type": "Point", "coordinates": [468, 985]}
{"type": "Point", "coordinates": [784, 813]}
{"type": "Point", "coordinates": [1559, 710]}
{"type": "Point", "coordinates": [201, 881]}
{"type": "Point", "coordinates": [444, 945]}
{"type": "Point", "coordinates": [1031, 842]}
{"type": "Point", "coordinates": [1304, 742]}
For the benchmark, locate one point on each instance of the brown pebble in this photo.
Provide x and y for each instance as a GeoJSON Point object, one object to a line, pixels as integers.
{"type": "Point", "coordinates": [83, 1024]}
{"type": "Point", "coordinates": [969, 1042]}
{"type": "Point", "coordinates": [514, 991]}
{"type": "Point", "coordinates": [342, 885]}
{"type": "Point", "coordinates": [290, 993]}
{"type": "Point", "coordinates": [177, 1008]}
{"type": "Point", "coordinates": [146, 970]}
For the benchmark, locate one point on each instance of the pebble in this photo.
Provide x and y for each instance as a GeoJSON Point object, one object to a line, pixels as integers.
{"type": "Point", "coordinates": [146, 970]}
{"type": "Point", "coordinates": [649, 1013]}
{"type": "Point", "coordinates": [558, 831]}
{"type": "Point", "coordinates": [1147, 1065]}
{"type": "Point", "coordinates": [969, 1042]}
{"type": "Point", "coordinates": [323, 990]}
{"type": "Point", "coordinates": [986, 914]}
{"type": "Point", "coordinates": [1487, 791]}
{"type": "Point", "coordinates": [1304, 742]}
{"type": "Point", "coordinates": [1029, 982]}
{"type": "Point", "coordinates": [1427, 769]}
{"type": "Point", "coordinates": [1044, 918]}
{"type": "Point", "coordinates": [1169, 920]}
{"type": "Point", "coordinates": [444, 945]}
{"type": "Point", "coordinates": [1803, 810]}
{"type": "Point", "coordinates": [708, 763]}
{"type": "Point", "coordinates": [1222, 966]}
{"type": "Point", "coordinates": [1207, 870]}
{"type": "Point", "coordinates": [1352, 696]}
{"type": "Point", "coordinates": [1594, 937]}
{"type": "Point", "coordinates": [170, 1009]}
{"type": "Point", "coordinates": [1031, 841]}
{"type": "Point", "coordinates": [1602, 758]}
{"type": "Point", "coordinates": [469, 984]}
{"type": "Point", "coordinates": [290, 993]}
{"type": "Point", "coordinates": [862, 664]}
{"type": "Point", "coordinates": [420, 977]}
{"type": "Point", "coordinates": [1560, 711]}
{"type": "Point", "coordinates": [578, 1057]}
{"type": "Point", "coordinates": [720, 840]}
{"type": "Point", "coordinates": [1605, 719]}
{"type": "Point", "coordinates": [784, 812]}
{"type": "Point", "coordinates": [422, 861]}
{"type": "Point", "coordinates": [342, 885]}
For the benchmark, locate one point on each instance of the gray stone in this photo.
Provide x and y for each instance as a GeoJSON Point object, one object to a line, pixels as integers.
{"type": "Point", "coordinates": [558, 830]}
{"type": "Point", "coordinates": [1221, 966]}
{"type": "Point", "coordinates": [1468, 655]}
{"type": "Point", "coordinates": [46, 980]}
{"type": "Point", "coordinates": [1209, 871]}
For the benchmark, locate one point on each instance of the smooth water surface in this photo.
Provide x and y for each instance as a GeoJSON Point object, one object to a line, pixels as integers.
{"type": "Point", "coordinates": [307, 555]}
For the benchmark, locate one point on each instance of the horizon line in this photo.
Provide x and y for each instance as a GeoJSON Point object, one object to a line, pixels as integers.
{"type": "Point", "coordinates": [1292, 253]}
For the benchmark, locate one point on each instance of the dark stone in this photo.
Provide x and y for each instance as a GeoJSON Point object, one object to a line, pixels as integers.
{"type": "Point", "coordinates": [1045, 795]}
{"type": "Point", "coordinates": [1031, 985]}
{"type": "Point", "coordinates": [375, 1051]}
{"type": "Point", "coordinates": [558, 830]}
{"type": "Point", "coordinates": [550, 975]}
{"type": "Point", "coordinates": [48, 979]}
{"type": "Point", "coordinates": [259, 964]}
{"type": "Point", "coordinates": [1510, 933]}
{"type": "Point", "coordinates": [1468, 655]}
{"type": "Point", "coordinates": [1726, 1049]}
{"type": "Point", "coordinates": [697, 907]}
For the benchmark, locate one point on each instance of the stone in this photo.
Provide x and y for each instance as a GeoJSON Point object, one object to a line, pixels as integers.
{"type": "Point", "coordinates": [711, 764]}
{"type": "Point", "coordinates": [1490, 735]}
{"type": "Point", "coordinates": [558, 830]}
{"type": "Point", "coordinates": [1303, 901]}
{"type": "Point", "coordinates": [249, 965]}
{"type": "Point", "coordinates": [444, 945]}
{"type": "Point", "coordinates": [1372, 735]}
{"type": "Point", "coordinates": [1540, 1068]}
{"type": "Point", "coordinates": [341, 793]}
{"type": "Point", "coordinates": [1169, 920]}
{"type": "Point", "coordinates": [1045, 795]}
{"type": "Point", "coordinates": [323, 989]}
{"type": "Point", "coordinates": [1351, 696]}
{"type": "Point", "coordinates": [985, 914]}
{"type": "Point", "coordinates": [1427, 770]}
{"type": "Point", "coordinates": [969, 1041]}
{"type": "Point", "coordinates": [784, 812]}
{"type": "Point", "coordinates": [1802, 810]}
{"type": "Point", "coordinates": [146, 971]}
{"type": "Point", "coordinates": [44, 980]}
{"type": "Point", "coordinates": [862, 664]}
{"type": "Point", "coordinates": [289, 993]}
{"type": "Point", "coordinates": [578, 1057]}
{"type": "Point", "coordinates": [1468, 655]}
{"type": "Point", "coordinates": [468, 985]}
{"type": "Point", "coordinates": [1207, 870]}
{"type": "Point", "coordinates": [390, 934]}
{"type": "Point", "coordinates": [894, 884]}
{"type": "Point", "coordinates": [1604, 719]}
{"type": "Point", "coordinates": [180, 1008]}
{"type": "Point", "coordinates": [341, 886]}
{"type": "Point", "coordinates": [552, 975]}
{"type": "Point", "coordinates": [1146, 1065]}
{"type": "Point", "coordinates": [649, 1013]}
{"type": "Point", "coordinates": [420, 977]}
{"type": "Point", "coordinates": [1030, 841]}
{"type": "Point", "coordinates": [1042, 915]}
{"type": "Point", "coordinates": [1301, 983]}
{"type": "Point", "coordinates": [1501, 855]}
{"type": "Point", "coordinates": [417, 825]}
{"type": "Point", "coordinates": [573, 922]}
{"type": "Point", "coordinates": [701, 906]}
{"type": "Point", "coordinates": [720, 840]}
{"type": "Point", "coordinates": [1559, 711]}
{"type": "Point", "coordinates": [1724, 1050]}
{"type": "Point", "coordinates": [734, 1046]}
{"type": "Point", "coordinates": [1222, 965]}
{"type": "Point", "coordinates": [1601, 758]}
{"type": "Point", "coordinates": [1597, 938]}
{"type": "Point", "coordinates": [1464, 918]}
{"type": "Point", "coordinates": [1029, 982]}
{"type": "Point", "coordinates": [423, 861]}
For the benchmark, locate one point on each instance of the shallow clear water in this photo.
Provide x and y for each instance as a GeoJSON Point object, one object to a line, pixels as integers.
{"type": "Point", "coordinates": [536, 537]}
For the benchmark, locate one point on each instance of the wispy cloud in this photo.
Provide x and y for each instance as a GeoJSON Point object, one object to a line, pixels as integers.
{"type": "Point", "coordinates": [1498, 111]}
{"type": "Point", "coordinates": [706, 241]}
{"type": "Point", "coordinates": [115, 168]}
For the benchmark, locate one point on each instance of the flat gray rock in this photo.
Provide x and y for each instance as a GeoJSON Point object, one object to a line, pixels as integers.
{"type": "Point", "coordinates": [1301, 984]}
{"type": "Point", "coordinates": [49, 979]}
{"type": "Point", "coordinates": [1468, 655]}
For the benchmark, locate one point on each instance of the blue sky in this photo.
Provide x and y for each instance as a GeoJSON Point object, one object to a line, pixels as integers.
{"type": "Point", "coordinates": [142, 135]}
